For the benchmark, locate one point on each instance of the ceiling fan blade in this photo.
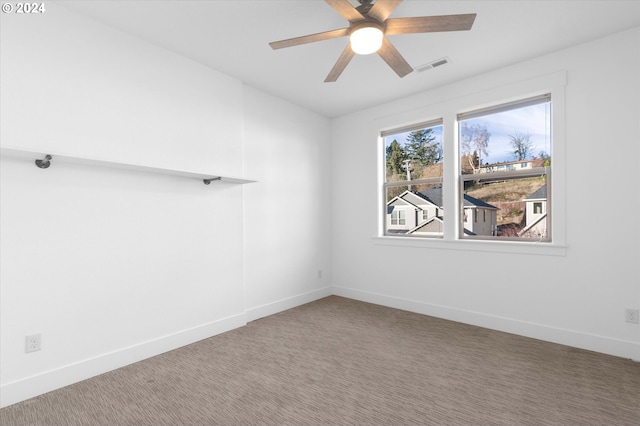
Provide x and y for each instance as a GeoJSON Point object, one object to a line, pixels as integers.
{"type": "Point", "coordinates": [341, 64]}
{"type": "Point", "coordinates": [382, 9]}
{"type": "Point", "coordinates": [392, 57]}
{"type": "Point", "coordinates": [429, 24]}
{"type": "Point", "coordinates": [344, 8]}
{"type": "Point", "coordinates": [309, 38]}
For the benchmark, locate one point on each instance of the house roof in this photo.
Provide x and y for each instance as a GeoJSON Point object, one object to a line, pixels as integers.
{"type": "Point", "coordinates": [416, 197]}
{"type": "Point", "coordinates": [400, 199]}
{"type": "Point", "coordinates": [434, 195]}
{"type": "Point", "coordinates": [426, 224]}
{"type": "Point", "coordinates": [470, 201]}
{"type": "Point", "coordinates": [540, 193]}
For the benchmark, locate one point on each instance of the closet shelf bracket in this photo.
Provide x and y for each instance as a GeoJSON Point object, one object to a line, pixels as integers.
{"type": "Point", "coordinates": [44, 164]}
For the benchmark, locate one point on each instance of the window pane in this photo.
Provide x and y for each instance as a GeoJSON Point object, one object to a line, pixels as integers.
{"type": "Point", "coordinates": [416, 154]}
{"type": "Point", "coordinates": [505, 158]}
{"type": "Point", "coordinates": [515, 139]}
{"type": "Point", "coordinates": [509, 208]}
{"type": "Point", "coordinates": [414, 210]}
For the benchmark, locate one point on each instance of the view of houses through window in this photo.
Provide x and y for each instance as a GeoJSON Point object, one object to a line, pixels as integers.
{"type": "Point", "coordinates": [504, 170]}
{"type": "Point", "coordinates": [413, 179]}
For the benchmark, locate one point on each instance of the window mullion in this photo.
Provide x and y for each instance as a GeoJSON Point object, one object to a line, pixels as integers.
{"type": "Point", "coordinates": [450, 178]}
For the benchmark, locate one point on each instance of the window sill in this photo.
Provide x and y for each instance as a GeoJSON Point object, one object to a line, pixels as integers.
{"type": "Point", "coordinates": [515, 247]}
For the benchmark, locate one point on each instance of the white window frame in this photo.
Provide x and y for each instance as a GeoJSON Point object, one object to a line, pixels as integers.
{"type": "Point", "coordinates": [447, 105]}
{"type": "Point", "coordinates": [537, 205]}
{"type": "Point", "coordinates": [436, 122]}
{"type": "Point", "coordinates": [511, 173]}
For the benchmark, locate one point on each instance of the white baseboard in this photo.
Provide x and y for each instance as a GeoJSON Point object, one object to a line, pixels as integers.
{"type": "Point", "coordinates": [38, 384]}
{"type": "Point", "coordinates": [29, 387]}
{"type": "Point", "coordinates": [592, 342]}
{"type": "Point", "coordinates": [288, 303]}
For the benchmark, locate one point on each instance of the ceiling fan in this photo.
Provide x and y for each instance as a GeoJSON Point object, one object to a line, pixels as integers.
{"type": "Point", "coordinates": [369, 26]}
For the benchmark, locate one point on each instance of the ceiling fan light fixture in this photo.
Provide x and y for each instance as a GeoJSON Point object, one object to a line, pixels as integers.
{"type": "Point", "coordinates": [366, 38]}
{"type": "Point", "coordinates": [369, 26]}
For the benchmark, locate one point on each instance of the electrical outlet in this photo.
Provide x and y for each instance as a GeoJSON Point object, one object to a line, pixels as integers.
{"type": "Point", "coordinates": [33, 343]}
{"type": "Point", "coordinates": [631, 315]}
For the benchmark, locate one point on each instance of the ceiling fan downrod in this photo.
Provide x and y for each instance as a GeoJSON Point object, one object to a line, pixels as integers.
{"type": "Point", "coordinates": [365, 6]}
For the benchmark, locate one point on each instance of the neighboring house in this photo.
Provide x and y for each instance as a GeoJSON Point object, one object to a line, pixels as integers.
{"type": "Point", "coordinates": [535, 214]}
{"type": "Point", "coordinates": [421, 213]}
{"type": "Point", "coordinates": [411, 209]}
{"type": "Point", "coordinates": [510, 165]}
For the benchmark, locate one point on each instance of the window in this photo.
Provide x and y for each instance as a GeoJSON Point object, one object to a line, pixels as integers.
{"type": "Point", "coordinates": [413, 180]}
{"type": "Point", "coordinates": [522, 210]}
{"type": "Point", "coordinates": [398, 217]}
{"type": "Point", "coordinates": [537, 208]}
{"type": "Point", "coordinates": [511, 199]}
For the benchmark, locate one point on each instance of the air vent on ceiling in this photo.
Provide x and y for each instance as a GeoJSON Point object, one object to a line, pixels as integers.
{"type": "Point", "coordinates": [433, 64]}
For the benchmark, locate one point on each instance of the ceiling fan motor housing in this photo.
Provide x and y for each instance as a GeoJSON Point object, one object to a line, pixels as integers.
{"type": "Point", "coordinates": [366, 23]}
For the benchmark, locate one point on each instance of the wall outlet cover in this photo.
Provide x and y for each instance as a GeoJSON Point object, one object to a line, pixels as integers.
{"type": "Point", "coordinates": [33, 343]}
{"type": "Point", "coordinates": [632, 316]}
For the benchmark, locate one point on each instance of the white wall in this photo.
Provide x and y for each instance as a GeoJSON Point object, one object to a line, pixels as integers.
{"type": "Point", "coordinates": [577, 298]}
{"type": "Point", "coordinates": [287, 212]}
{"type": "Point", "coordinates": [75, 86]}
{"type": "Point", "coordinates": [113, 266]}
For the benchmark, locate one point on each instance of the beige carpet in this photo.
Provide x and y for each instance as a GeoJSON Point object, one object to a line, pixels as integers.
{"type": "Point", "coordinates": [341, 362]}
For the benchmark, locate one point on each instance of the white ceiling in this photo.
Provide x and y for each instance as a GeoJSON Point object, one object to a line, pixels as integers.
{"type": "Point", "coordinates": [233, 36]}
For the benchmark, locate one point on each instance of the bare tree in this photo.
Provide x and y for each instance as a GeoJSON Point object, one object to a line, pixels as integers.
{"type": "Point", "coordinates": [469, 163]}
{"type": "Point", "coordinates": [474, 142]}
{"type": "Point", "coordinates": [522, 145]}
{"type": "Point", "coordinates": [545, 158]}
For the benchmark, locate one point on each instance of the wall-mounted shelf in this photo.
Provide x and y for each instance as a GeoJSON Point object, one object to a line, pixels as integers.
{"type": "Point", "coordinates": [45, 159]}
